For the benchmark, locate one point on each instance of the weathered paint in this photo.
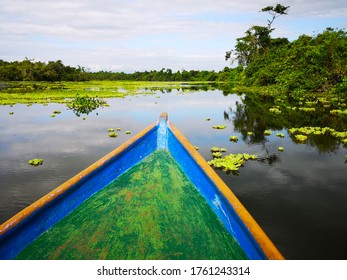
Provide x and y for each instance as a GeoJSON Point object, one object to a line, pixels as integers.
{"type": "Point", "coordinates": [227, 206]}
{"type": "Point", "coordinates": [23, 228]}
{"type": "Point", "coordinates": [152, 211]}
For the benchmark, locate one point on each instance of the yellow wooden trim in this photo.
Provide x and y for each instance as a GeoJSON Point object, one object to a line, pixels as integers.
{"type": "Point", "coordinates": [20, 216]}
{"type": "Point", "coordinates": [259, 235]}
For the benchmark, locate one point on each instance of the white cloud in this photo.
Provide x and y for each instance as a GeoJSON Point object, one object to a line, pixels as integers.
{"type": "Point", "coordinates": [142, 34]}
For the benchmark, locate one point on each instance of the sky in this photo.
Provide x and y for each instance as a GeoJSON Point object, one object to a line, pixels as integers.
{"type": "Point", "coordinates": [140, 35]}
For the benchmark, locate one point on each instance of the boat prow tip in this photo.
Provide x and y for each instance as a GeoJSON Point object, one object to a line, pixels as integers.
{"type": "Point", "coordinates": [164, 115]}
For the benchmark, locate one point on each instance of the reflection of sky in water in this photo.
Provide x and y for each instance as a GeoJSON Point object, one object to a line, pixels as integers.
{"type": "Point", "coordinates": [299, 200]}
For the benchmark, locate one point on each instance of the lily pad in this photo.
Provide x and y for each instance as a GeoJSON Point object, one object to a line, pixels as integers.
{"type": "Point", "coordinates": [280, 135]}
{"type": "Point", "coordinates": [281, 149]}
{"type": "Point", "coordinates": [234, 138]}
{"type": "Point", "coordinates": [127, 132]}
{"type": "Point", "coordinates": [113, 134]}
{"type": "Point", "coordinates": [110, 129]}
{"type": "Point", "coordinates": [267, 132]}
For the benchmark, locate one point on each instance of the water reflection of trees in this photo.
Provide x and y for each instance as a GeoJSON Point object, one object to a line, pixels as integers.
{"type": "Point", "coordinates": [253, 115]}
{"type": "Point", "coordinates": [84, 105]}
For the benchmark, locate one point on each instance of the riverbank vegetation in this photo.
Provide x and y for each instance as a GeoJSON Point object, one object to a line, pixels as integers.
{"type": "Point", "coordinates": [315, 63]}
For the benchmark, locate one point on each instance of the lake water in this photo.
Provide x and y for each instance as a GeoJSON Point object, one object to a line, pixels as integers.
{"type": "Point", "coordinates": [298, 196]}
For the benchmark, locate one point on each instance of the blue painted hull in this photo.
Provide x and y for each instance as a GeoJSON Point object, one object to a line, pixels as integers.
{"type": "Point", "coordinates": [15, 238]}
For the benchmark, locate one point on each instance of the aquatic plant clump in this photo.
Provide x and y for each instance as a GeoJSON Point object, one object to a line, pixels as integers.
{"type": "Point", "coordinates": [217, 154]}
{"type": "Point", "coordinates": [234, 138]}
{"type": "Point", "coordinates": [216, 149]}
{"type": "Point", "coordinates": [36, 161]}
{"type": "Point", "coordinates": [281, 135]}
{"type": "Point", "coordinates": [219, 126]}
{"type": "Point", "coordinates": [300, 137]}
{"type": "Point", "coordinates": [113, 134]}
{"type": "Point", "coordinates": [275, 110]}
{"type": "Point", "coordinates": [110, 129]}
{"type": "Point", "coordinates": [250, 133]}
{"type": "Point", "coordinates": [307, 131]}
{"type": "Point", "coordinates": [281, 149]}
{"type": "Point", "coordinates": [267, 132]}
{"type": "Point", "coordinates": [128, 132]}
{"type": "Point", "coordinates": [231, 162]}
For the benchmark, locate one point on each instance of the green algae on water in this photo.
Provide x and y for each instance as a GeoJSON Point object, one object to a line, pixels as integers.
{"type": "Point", "coordinates": [150, 212]}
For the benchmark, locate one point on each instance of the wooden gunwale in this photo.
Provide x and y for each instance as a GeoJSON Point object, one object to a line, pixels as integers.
{"type": "Point", "coordinates": [259, 235]}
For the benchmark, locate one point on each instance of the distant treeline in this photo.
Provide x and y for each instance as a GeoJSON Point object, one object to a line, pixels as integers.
{"type": "Point", "coordinates": [29, 70]}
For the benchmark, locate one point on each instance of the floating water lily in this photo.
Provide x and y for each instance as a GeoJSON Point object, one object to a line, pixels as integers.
{"type": "Point", "coordinates": [52, 115]}
{"type": "Point", "coordinates": [56, 112]}
{"type": "Point", "coordinates": [281, 135]}
{"type": "Point", "coordinates": [113, 134]}
{"type": "Point", "coordinates": [110, 129]}
{"type": "Point", "coordinates": [11, 113]}
{"type": "Point", "coordinates": [118, 129]}
{"type": "Point", "coordinates": [281, 149]}
{"type": "Point", "coordinates": [36, 161]}
{"type": "Point", "coordinates": [127, 132]}
{"type": "Point", "coordinates": [267, 132]}
{"type": "Point", "coordinates": [196, 148]}
{"type": "Point", "coordinates": [208, 119]}
{"type": "Point", "coordinates": [249, 133]}
{"type": "Point", "coordinates": [234, 138]}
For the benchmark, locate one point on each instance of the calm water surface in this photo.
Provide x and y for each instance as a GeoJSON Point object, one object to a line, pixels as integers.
{"type": "Point", "coordinates": [299, 196]}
